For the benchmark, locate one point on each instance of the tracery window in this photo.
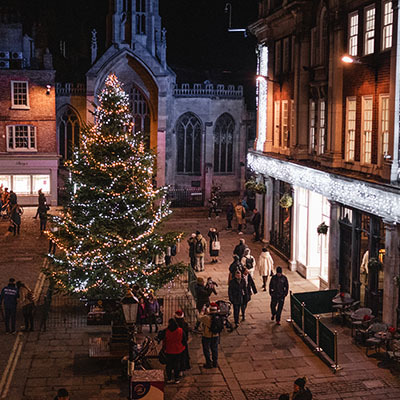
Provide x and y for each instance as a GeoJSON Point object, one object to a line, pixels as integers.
{"type": "Point", "coordinates": [140, 111]}
{"type": "Point", "coordinates": [140, 17]}
{"type": "Point", "coordinates": [68, 133]}
{"type": "Point", "coordinates": [223, 143]}
{"type": "Point", "coordinates": [188, 130]}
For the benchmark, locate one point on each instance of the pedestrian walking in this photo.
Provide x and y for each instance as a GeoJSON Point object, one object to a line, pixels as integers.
{"type": "Point", "coordinates": [278, 290]}
{"type": "Point", "coordinates": [41, 202]}
{"type": "Point", "coordinates": [200, 246]}
{"type": "Point", "coordinates": [27, 302]}
{"type": "Point", "coordinates": [230, 211]}
{"type": "Point", "coordinates": [192, 255]}
{"type": "Point", "coordinates": [240, 248]}
{"type": "Point", "coordinates": [240, 213]}
{"type": "Point", "coordinates": [62, 394]}
{"type": "Point", "coordinates": [236, 265]}
{"type": "Point", "coordinates": [141, 314]}
{"type": "Point", "coordinates": [13, 198]}
{"type": "Point", "coordinates": [265, 266]}
{"type": "Point", "coordinates": [42, 210]}
{"type": "Point", "coordinates": [185, 359]}
{"type": "Point", "coordinates": [15, 218]}
{"type": "Point", "coordinates": [9, 295]}
{"type": "Point", "coordinates": [256, 221]}
{"type": "Point", "coordinates": [300, 391]}
{"type": "Point", "coordinates": [250, 289]}
{"type": "Point", "coordinates": [248, 261]}
{"type": "Point", "coordinates": [215, 244]}
{"type": "Point", "coordinates": [236, 293]}
{"type": "Point", "coordinates": [212, 325]}
{"type": "Point", "coordinates": [153, 312]}
{"type": "Point", "coordinates": [202, 296]}
{"type": "Point", "coordinates": [174, 344]}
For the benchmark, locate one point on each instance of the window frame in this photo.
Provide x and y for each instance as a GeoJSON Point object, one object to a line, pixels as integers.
{"type": "Point", "coordinates": [321, 145]}
{"type": "Point", "coordinates": [229, 168]}
{"type": "Point", "coordinates": [23, 149]}
{"type": "Point", "coordinates": [370, 39]}
{"type": "Point", "coordinates": [350, 36]}
{"type": "Point", "coordinates": [19, 106]}
{"type": "Point", "coordinates": [312, 119]}
{"type": "Point", "coordinates": [284, 123]}
{"type": "Point", "coordinates": [277, 122]}
{"type": "Point", "coordinates": [350, 143]}
{"type": "Point", "coordinates": [384, 134]}
{"type": "Point", "coordinates": [365, 160]}
{"type": "Point", "coordinates": [384, 26]}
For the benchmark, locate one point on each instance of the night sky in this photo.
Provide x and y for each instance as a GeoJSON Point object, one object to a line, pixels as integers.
{"type": "Point", "coordinates": [199, 45]}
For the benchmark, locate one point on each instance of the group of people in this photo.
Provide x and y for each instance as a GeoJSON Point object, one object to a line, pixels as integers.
{"type": "Point", "coordinates": [13, 294]}
{"type": "Point", "coordinates": [240, 212]}
{"type": "Point", "coordinates": [148, 313]}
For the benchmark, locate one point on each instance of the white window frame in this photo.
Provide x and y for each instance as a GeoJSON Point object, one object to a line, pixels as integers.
{"type": "Point", "coordinates": [321, 126]}
{"type": "Point", "coordinates": [31, 134]}
{"type": "Point", "coordinates": [292, 119]}
{"type": "Point", "coordinates": [312, 125]}
{"type": "Point", "coordinates": [20, 106]}
{"type": "Point", "coordinates": [366, 130]}
{"type": "Point", "coordinates": [369, 29]}
{"type": "Point", "coordinates": [277, 122]}
{"type": "Point", "coordinates": [353, 34]}
{"type": "Point", "coordinates": [384, 124]}
{"type": "Point", "coordinates": [387, 25]}
{"type": "Point", "coordinates": [351, 118]}
{"type": "Point", "coordinates": [285, 123]}
{"type": "Point", "coordinates": [278, 56]}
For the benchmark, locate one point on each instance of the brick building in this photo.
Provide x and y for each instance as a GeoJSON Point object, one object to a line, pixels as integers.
{"type": "Point", "coordinates": [28, 149]}
{"type": "Point", "coordinates": [328, 138]}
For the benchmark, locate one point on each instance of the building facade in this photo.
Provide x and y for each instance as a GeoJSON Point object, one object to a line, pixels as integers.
{"type": "Point", "coordinates": [28, 150]}
{"type": "Point", "coordinates": [328, 139]}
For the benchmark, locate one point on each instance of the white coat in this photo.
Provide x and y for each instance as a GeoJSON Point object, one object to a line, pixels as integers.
{"type": "Point", "coordinates": [265, 264]}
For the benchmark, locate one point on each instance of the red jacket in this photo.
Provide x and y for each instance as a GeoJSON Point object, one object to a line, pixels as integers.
{"type": "Point", "coordinates": [173, 342]}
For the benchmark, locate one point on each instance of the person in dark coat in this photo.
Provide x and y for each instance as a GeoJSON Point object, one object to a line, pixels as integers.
{"type": "Point", "coordinates": [236, 292]}
{"type": "Point", "coordinates": [250, 289]}
{"type": "Point", "coordinates": [278, 290]}
{"type": "Point", "coordinates": [153, 311]}
{"type": "Point", "coordinates": [230, 212]}
{"type": "Point", "coordinates": [236, 265]}
{"type": "Point", "coordinates": [192, 255]}
{"type": "Point", "coordinates": [214, 238]}
{"type": "Point", "coordinates": [41, 202]}
{"type": "Point", "coordinates": [300, 392]}
{"type": "Point", "coordinates": [202, 296]}
{"type": "Point", "coordinates": [180, 320]}
{"type": "Point", "coordinates": [256, 221]}
{"type": "Point", "coordinates": [16, 218]}
{"type": "Point", "coordinates": [9, 295]}
{"type": "Point", "coordinates": [13, 198]}
{"type": "Point", "coordinates": [240, 248]}
{"type": "Point", "coordinates": [141, 314]}
{"type": "Point", "coordinates": [42, 210]}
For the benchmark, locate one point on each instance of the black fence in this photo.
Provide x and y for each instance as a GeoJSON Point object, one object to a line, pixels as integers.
{"type": "Point", "coordinates": [193, 197]}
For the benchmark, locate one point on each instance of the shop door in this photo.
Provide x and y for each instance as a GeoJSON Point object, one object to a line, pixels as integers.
{"type": "Point", "coordinates": [345, 258]}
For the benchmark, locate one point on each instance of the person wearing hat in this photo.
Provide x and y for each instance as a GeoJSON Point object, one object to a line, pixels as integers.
{"type": "Point", "coordinates": [240, 248]}
{"type": "Point", "coordinates": [202, 296]}
{"type": "Point", "coordinates": [209, 340]}
{"type": "Point", "coordinates": [278, 290]}
{"type": "Point", "coordinates": [300, 392]}
{"type": "Point", "coordinates": [9, 295]}
{"type": "Point", "coordinates": [185, 359]}
{"type": "Point", "coordinates": [235, 266]}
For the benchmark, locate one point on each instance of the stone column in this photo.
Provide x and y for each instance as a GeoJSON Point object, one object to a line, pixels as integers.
{"type": "Point", "coordinates": [161, 157]}
{"type": "Point", "coordinates": [390, 271]}
{"type": "Point", "coordinates": [208, 161]}
{"type": "Point", "coordinates": [293, 239]}
{"type": "Point", "coordinates": [334, 246]}
{"type": "Point", "coordinates": [268, 202]}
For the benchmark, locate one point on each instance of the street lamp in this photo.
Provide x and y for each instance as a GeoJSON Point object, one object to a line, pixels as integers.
{"type": "Point", "coordinates": [351, 59]}
{"type": "Point", "coordinates": [264, 78]}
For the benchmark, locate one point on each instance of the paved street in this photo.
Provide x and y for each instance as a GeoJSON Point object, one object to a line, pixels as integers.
{"type": "Point", "coordinates": [258, 361]}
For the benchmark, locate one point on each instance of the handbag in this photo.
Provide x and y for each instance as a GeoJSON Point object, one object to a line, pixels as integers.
{"type": "Point", "coordinates": [162, 357]}
{"type": "Point", "coordinates": [216, 245]}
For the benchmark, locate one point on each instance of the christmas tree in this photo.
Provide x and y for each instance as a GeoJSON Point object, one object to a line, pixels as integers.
{"type": "Point", "coordinates": [108, 233]}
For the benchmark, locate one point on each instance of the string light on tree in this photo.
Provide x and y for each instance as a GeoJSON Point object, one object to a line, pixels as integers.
{"type": "Point", "coordinates": [108, 234]}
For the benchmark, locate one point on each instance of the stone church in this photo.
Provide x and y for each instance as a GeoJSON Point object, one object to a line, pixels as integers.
{"type": "Point", "coordinates": [198, 131]}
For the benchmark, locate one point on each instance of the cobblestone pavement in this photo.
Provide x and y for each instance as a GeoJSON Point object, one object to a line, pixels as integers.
{"type": "Point", "coordinates": [259, 360]}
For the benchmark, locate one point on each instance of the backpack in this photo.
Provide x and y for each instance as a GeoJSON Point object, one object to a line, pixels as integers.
{"type": "Point", "coordinates": [198, 248]}
{"type": "Point", "coordinates": [217, 324]}
{"type": "Point", "coordinates": [173, 250]}
{"type": "Point", "coordinates": [249, 262]}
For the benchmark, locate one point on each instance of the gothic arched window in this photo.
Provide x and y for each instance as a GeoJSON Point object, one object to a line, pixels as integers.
{"type": "Point", "coordinates": [140, 17]}
{"type": "Point", "coordinates": [68, 133]}
{"type": "Point", "coordinates": [223, 143]}
{"type": "Point", "coordinates": [188, 130]}
{"type": "Point", "coordinates": [140, 112]}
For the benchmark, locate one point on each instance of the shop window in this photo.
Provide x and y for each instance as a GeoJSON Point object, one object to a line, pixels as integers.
{"type": "Point", "coordinates": [21, 138]}
{"type": "Point", "coordinates": [41, 182]}
{"type": "Point", "coordinates": [5, 181]}
{"type": "Point", "coordinates": [387, 25]}
{"type": "Point", "coordinates": [223, 143]}
{"type": "Point", "coordinates": [68, 133]}
{"type": "Point", "coordinates": [353, 34]}
{"type": "Point", "coordinates": [350, 128]}
{"type": "Point", "coordinates": [346, 215]}
{"type": "Point", "coordinates": [366, 139]}
{"type": "Point", "coordinates": [19, 95]}
{"type": "Point", "coordinates": [384, 124]}
{"type": "Point", "coordinates": [22, 184]}
{"type": "Point", "coordinates": [140, 17]}
{"type": "Point", "coordinates": [188, 129]}
{"type": "Point", "coordinates": [311, 123]}
{"type": "Point", "coordinates": [369, 30]}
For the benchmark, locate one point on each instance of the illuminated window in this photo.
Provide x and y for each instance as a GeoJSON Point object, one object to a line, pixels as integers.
{"type": "Point", "coordinates": [366, 129]}
{"type": "Point", "coordinates": [321, 127]}
{"type": "Point", "coordinates": [19, 95]}
{"type": "Point", "coordinates": [41, 182]}
{"type": "Point", "coordinates": [140, 17]}
{"type": "Point", "coordinates": [350, 128]}
{"type": "Point", "coordinates": [223, 143]}
{"type": "Point", "coordinates": [68, 133]}
{"type": "Point", "coordinates": [292, 120]}
{"type": "Point", "coordinates": [353, 34]}
{"type": "Point", "coordinates": [22, 184]}
{"type": "Point", "coordinates": [21, 138]}
{"type": "Point", "coordinates": [5, 181]}
{"type": "Point", "coordinates": [277, 122]}
{"type": "Point", "coordinates": [311, 123]}
{"type": "Point", "coordinates": [285, 123]}
{"type": "Point", "coordinates": [369, 30]}
{"type": "Point", "coordinates": [384, 124]}
{"type": "Point", "coordinates": [387, 25]}
{"type": "Point", "coordinates": [188, 130]}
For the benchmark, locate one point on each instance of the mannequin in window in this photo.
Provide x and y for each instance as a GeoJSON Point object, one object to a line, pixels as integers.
{"type": "Point", "coordinates": [364, 268]}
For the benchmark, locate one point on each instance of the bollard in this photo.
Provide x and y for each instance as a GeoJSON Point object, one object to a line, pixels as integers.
{"type": "Point", "coordinates": [289, 320]}
{"type": "Point", "coordinates": [336, 366]}
{"type": "Point", "coordinates": [318, 349]}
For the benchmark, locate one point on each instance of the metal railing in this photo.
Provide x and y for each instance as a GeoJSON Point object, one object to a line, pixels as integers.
{"type": "Point", "coordinates": [193, 197]}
